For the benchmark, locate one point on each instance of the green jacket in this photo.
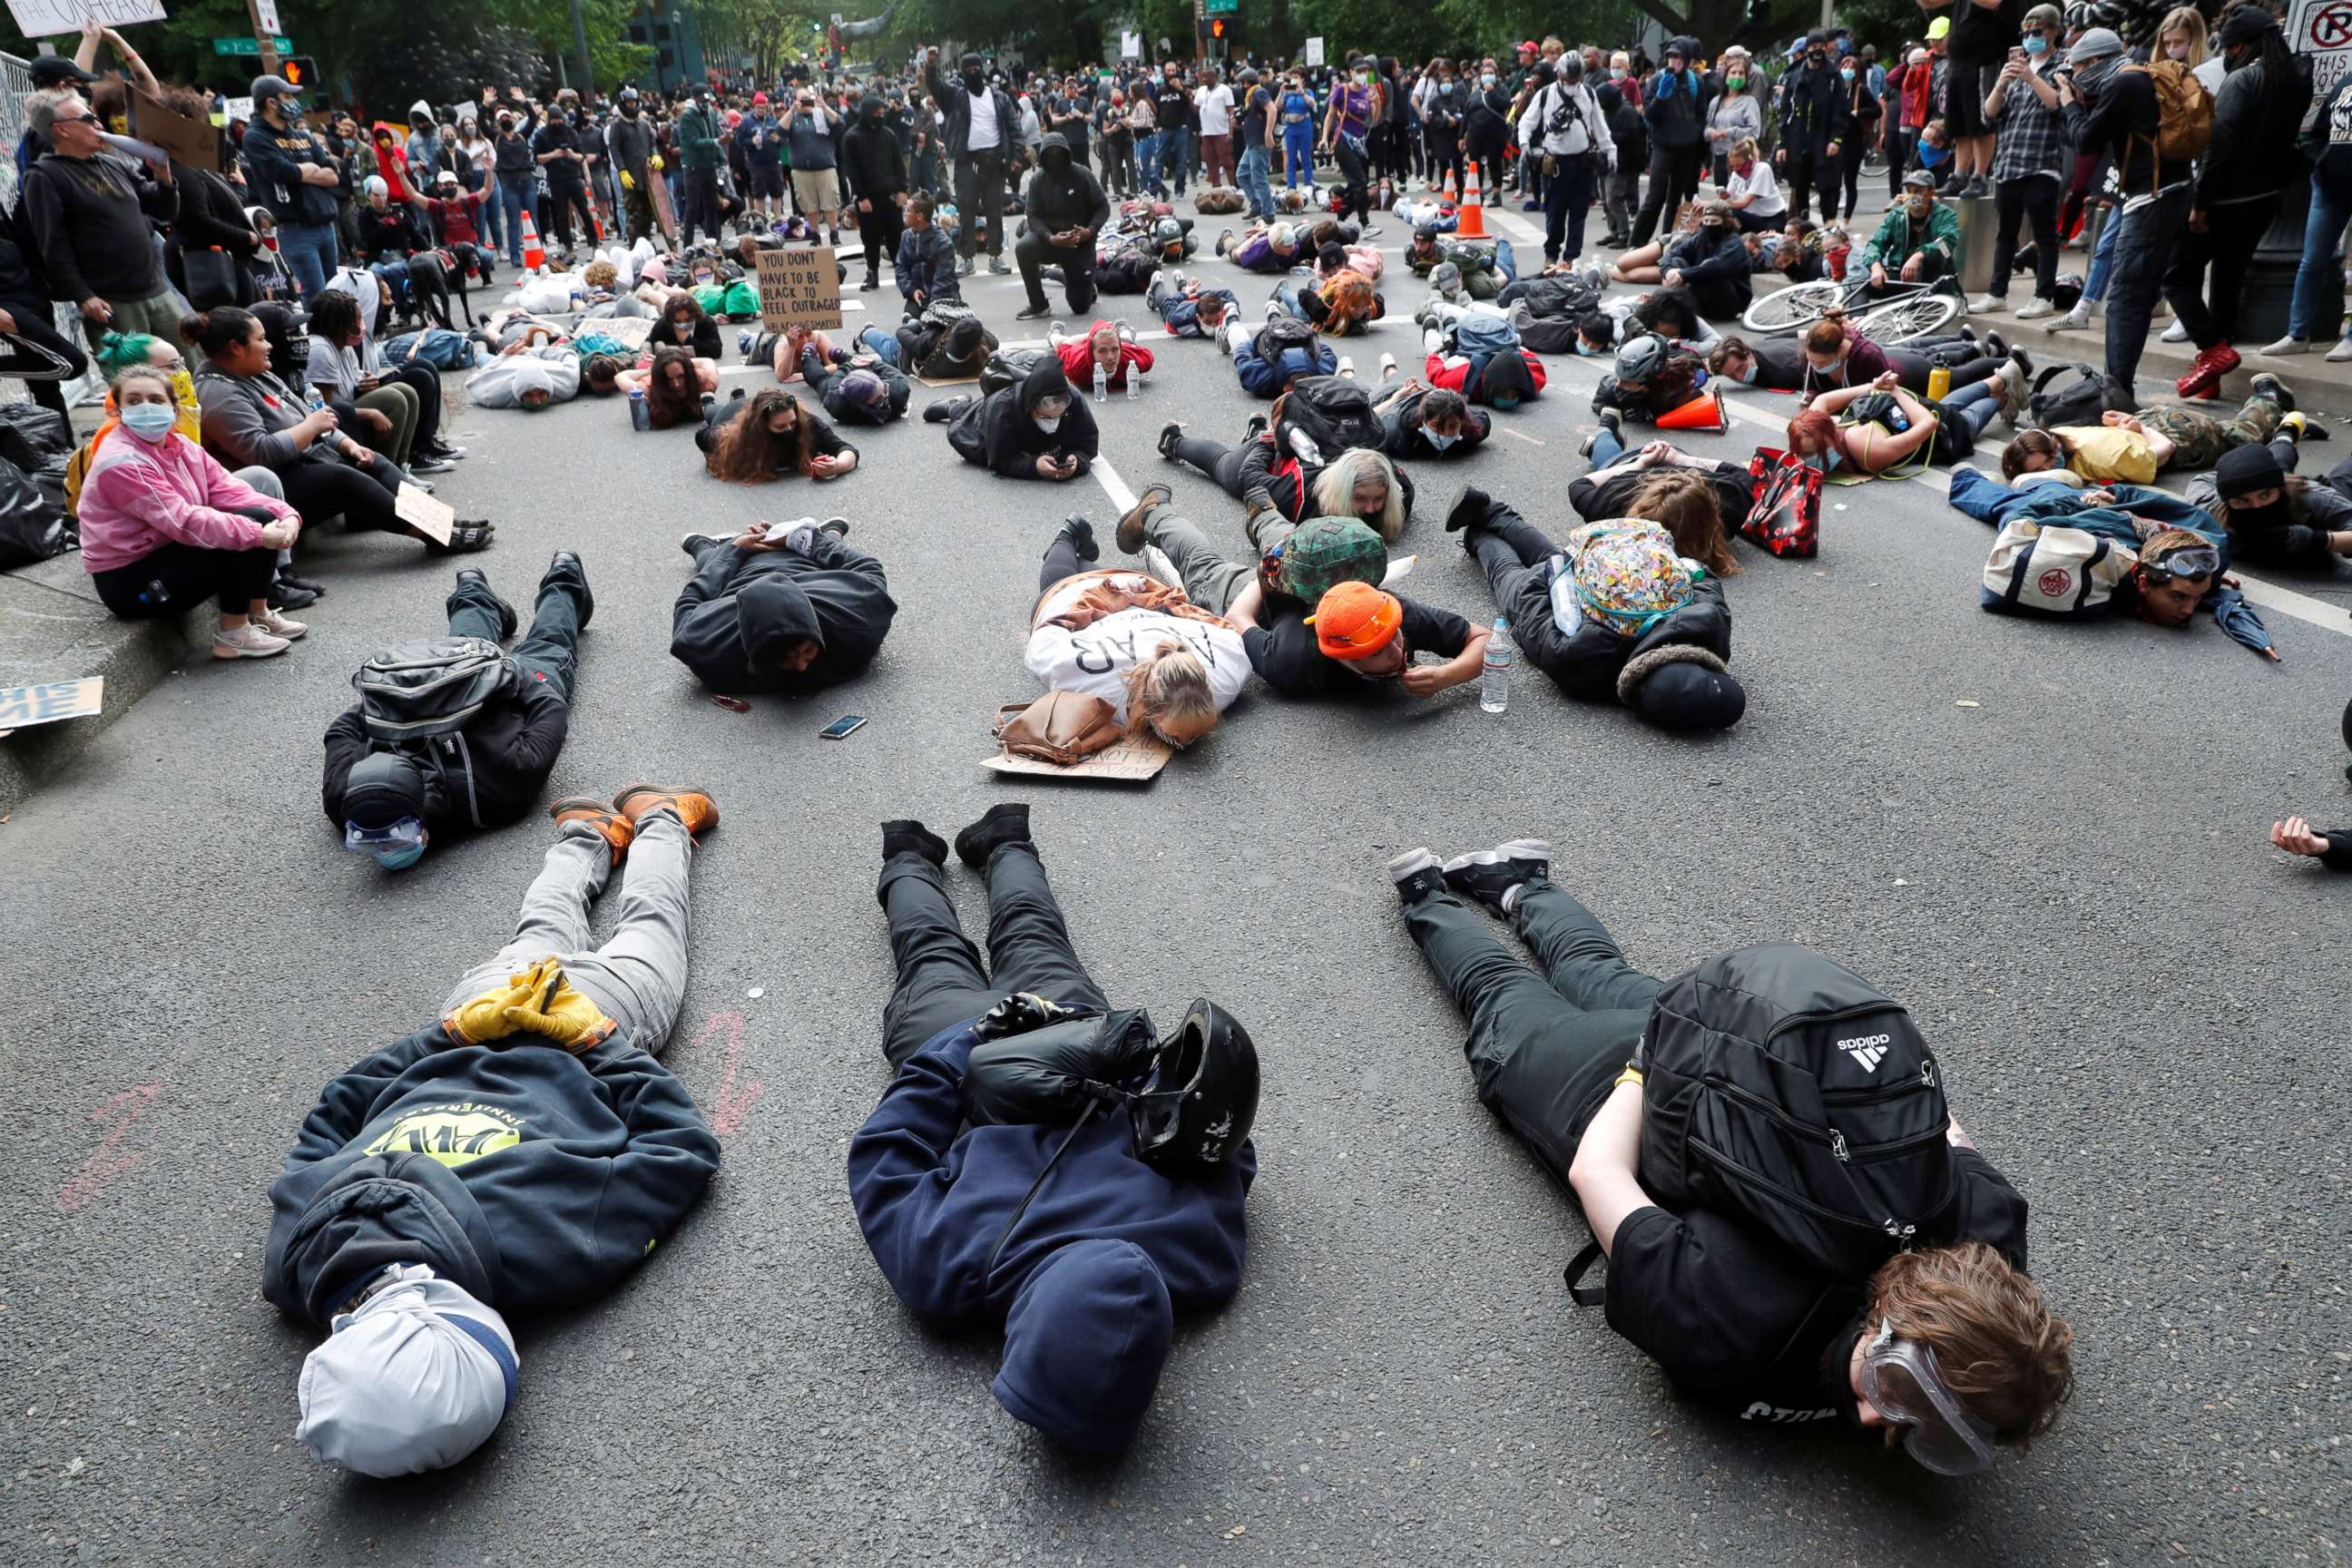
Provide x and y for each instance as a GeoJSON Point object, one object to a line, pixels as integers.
{"type": "Point", "coordinates": [1898, 236]}
{"type": "Point", "coordinates": [697, 139]}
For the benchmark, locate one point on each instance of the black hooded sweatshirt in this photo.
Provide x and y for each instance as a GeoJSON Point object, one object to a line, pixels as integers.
{"type": "Point", "coordinates": [871, 159]}
{"type": "Point", "coordinates": [737, 614]}
{"type": "Point", "coordinates": [489, 774]}
{"type": "Point", "coordinates": [1062, 193]}
{"type": "Point", "coordinates": [998, 431]}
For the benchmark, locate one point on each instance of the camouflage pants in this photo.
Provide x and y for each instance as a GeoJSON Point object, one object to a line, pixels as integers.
{"type": "Point", "coordinates": [2201, 439]}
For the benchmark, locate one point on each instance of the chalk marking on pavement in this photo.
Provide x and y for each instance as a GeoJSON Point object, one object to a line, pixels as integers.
{"type": "Point", "coordinates": [732, 1104]}
{"type": "Point", "coordinates": [97, 1173]}
{"type": "Point", "coordinates": [1530, 440]}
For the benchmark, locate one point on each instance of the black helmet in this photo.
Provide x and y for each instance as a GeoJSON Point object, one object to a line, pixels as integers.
{"type": "Point", "coordinates": [1197, 1106]}
{"type": "Point", "coordinates": [381, 788]}
{"type": "Point", "coordinates": [1169, 236]}
{"type": "Point", "coordinates": [1640, 358]}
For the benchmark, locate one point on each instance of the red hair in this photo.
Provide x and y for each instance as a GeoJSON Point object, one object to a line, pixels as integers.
{"type": "Point", "coordinates": [1815, 429]}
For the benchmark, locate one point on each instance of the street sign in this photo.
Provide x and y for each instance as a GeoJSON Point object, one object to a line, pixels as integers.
{"type": "Point", "coordinates": [250, 46]}
{"type": "Point", "coordinates": [264, 15]}
{"type": "Point", "coordinates": [1220, 7]}
{"type": "Point", "coordinates": [2322, 31]}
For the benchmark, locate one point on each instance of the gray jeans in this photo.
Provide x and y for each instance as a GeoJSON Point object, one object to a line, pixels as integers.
{"type": "Point", "coordinates": [1208, 577]}
{"type": "Point", "coordinates": [638, 978]}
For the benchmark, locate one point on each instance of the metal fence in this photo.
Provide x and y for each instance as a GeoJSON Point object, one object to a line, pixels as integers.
{"type": "Point", "coordinates": [16, 81]}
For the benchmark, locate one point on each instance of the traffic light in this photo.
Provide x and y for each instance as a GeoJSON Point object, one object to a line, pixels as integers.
{"type": "Point", "coordinates": [301, 71]}
{"type": "Point", "coordinates": [1217, 29]}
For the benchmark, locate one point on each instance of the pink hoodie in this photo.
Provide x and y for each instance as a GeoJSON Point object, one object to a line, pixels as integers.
{"type": "Point", "coordinates": [139, 497]}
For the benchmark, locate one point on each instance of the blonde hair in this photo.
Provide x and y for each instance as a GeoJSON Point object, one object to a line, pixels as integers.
{"type": "Point", "coordinates": [2188, 20]}
{"type": "Point", "coordinates": [1745, 148]}
{"type": "Point", "coordinates": [1335, 491]}
{"type": "Point", "coordinates": [1169, 688]}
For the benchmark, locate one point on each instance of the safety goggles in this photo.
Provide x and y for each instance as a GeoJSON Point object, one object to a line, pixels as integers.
{"type": "Point", "coordinates": [2200, 560]}
{"type": "Point", "coordinates": [408, 833]}
{"type": "Point", "coordinates": [1900, 1379]}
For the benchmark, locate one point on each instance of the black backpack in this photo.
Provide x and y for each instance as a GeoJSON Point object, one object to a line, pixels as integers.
{"type": "Point", "coordinates": [1334, 412]}
{"type": "Point", "coordinates": [1009, 367]}
{"type": "Point", "coordinates": [1551, 298]}
{"type": "Point", "coordinates": [1282, 332]}
{"type": "Point", "coordinates": [2079, 398]}
{"type": "Point", "coordinates": [1781, 1087]}
{"type": "Point", "coordinates": [411, 691]}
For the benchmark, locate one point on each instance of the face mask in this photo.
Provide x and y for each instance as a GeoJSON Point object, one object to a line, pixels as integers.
{"type": "Point", "coordinates": [2171, 51]}
{"type": "Point", "coordinates": [1439, 441]}
{"type": "Point", "coordinates": [400, 859]}
{"type": "Point", "coordinates": [1487, 79]}
{"type": "Point", "coordinates": [1846, 75]}
{"type": "Point", "coordinates": [2035, 44]}
{"type": "Point", "coordinates": [1049, 426]}
{"type": "Point", "coordinates": [1586, 350]}
{"type": "Point", "coordinates": [1747, 377]}
{"type": "Point", "coordinates": [1736, 83]}
{"type": "Point", "coordinates": [150, 421]}
{"type": "Point", "coordinates": [1825, 461]}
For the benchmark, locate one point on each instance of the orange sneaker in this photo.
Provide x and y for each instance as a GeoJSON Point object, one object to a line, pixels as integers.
{"type": "Point", "coordinates": [695, 810]}
{"type": "Point", "coordinates": [617, 830]}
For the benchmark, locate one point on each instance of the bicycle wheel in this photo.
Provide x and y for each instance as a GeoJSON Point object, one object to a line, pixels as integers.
{"type": "Point", "coordinates": [1906, 319]}
{"type": "Point", "coordinates": [1798, 305]}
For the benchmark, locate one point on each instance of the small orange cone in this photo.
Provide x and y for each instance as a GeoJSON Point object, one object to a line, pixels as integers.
{"type": "Point", "coordinates": [534, 255]}
{"type": "Point", "coordinates": [1704, 412]}
{"type": "Point", "coordinates": [1471, 216]}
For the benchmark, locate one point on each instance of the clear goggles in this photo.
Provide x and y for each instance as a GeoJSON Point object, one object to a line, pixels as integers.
{"type": "Point", "coordinates": [1900, 1380]}
{"type": "Point", "coordinates": [408, 833]}
{"type": "Point", "coordinates": [2202, 560]}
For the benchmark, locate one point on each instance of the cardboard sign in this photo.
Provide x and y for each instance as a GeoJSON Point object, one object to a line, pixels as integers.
{"type": "Point", "coordinates": [1136, 759]}
{"type": "Point", "coordinates": [1130, 46]}
{"type": "Point", "coordinates": [22, 707]}
{"type": "Point", "coordinates": [234, 109]}
{"type": "Point", "coordinates": [1314, 51]}
{"type": "Point", "coordinates": [629, 332]}
{"type": "Point", "coordinates": [54, 18]}
{"type": "Point", "coordinates": [436, 517]}
{"type": "Point", "coordinates": [187, 138]}
{"type": "Point", "coordinates": [799, 287]}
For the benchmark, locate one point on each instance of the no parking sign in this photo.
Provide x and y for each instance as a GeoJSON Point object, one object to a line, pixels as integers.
{"type": "Point", "coordinates": [2322, 29]}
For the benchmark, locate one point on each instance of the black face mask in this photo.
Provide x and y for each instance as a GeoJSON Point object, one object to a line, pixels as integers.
{"type": "Point", "coordinates": [628, 111]}
{"type": "Point", "coordinates": [974, 81]}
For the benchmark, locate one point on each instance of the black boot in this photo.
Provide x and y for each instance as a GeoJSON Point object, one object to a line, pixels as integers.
{"type": "Point", "coordinates": [1469, 507]}
{"type": "Point", "coordinates": [904, 835]}
{"type": "Point", "coordinates": [1006, 824]}
{"type": "Point", "coordinates": [566, 567]}
{"type": "Point", "coordinates": [1082, 535]}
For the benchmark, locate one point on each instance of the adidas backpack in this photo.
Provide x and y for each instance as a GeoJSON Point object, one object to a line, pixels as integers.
{"type": "Point", "coordinates": [1783, 1089]}
{"type": "Point", "coordinates": [432, 686]}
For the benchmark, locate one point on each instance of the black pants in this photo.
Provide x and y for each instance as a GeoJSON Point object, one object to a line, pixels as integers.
{"type": "Point", "coordinates": [564, 199]}
{"type": "Point", "coordinates": [2016, 203]}
{"type": "Point", "coordinates": [1848, 174]}
{"type": "Point", "coordinates": [549, 648]}
{"type": "Point", "coordinates": [1356, 171]}
{"type": "Point", "coordinates": [1512, 551]}
{"type": "Point", "coordinates": [1674, 180]}
{"type": "Point", "coordinates": [1899, 144]}
{"type": "Point", "coordinates": [1566, 201]}
{"type": "Point", "coordinates": [941, 981]}
{"type": "Point", "coordinates": [1031, 252]}
{"type": "Point", "coordinates": [1914, 367]}
{"type": "Point", "coordinates": [1214, 458]}
{"type": "Point", "coordinates": [319, 490]}
{"type": "Point", "coordinates": [1544, 1049]}
{"type": "Point", "coordinates": [1798, 174]}
{"type": "Point", "coordinates": [980, 197]}
{"type": "Point", "coordinates": [1445, 158]}
{"type": "Point", "coordinates": [39, 355]}
{"type": "Point", "coordinates": [171, 577]}
{"type": "Point", "coordinates": [879, 231]}
{"type": "Point", "coordinates": [2211, 266]}
{"type": "Point", "coordinates": [701, 204]}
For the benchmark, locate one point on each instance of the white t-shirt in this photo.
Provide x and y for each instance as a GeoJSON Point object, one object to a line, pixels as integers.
{"type": "Point", "coordinates": [986, 133]}
{"type": "Point", "coordinates": [1095, 660]}
{"type": "Point", "coordinates": [1769, 202]}
{"type": "Point", "coordinates": [1216, 106]}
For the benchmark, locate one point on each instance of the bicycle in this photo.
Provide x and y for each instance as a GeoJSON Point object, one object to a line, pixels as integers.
{"type": "Point", "coordinates": [1902, 310]}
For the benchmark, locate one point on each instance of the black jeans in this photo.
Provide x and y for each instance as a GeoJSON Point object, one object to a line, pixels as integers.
{"type": "Point", "coordinates": [1031, 252]}
{"type": "Point", "coordinates": [39, 355]}
{"type": "Point", "coordinates": [1914, 368]}
{"type": "Point", "coordinates": [1567, 199]}
{"type": "Point", "coordinates": [1848, 174]}
{"type": "Point", "coordinates": [564, 199]}
{"type": "Point", "coordinates": [980, 197]}
{"type": "Point", "coordinates": [2032, 200]}
{"type": "Point", "coordinates": [701, 204]}
{"type": "Point", "coordinates": [2149, 239]}
{"type": "Point", "coordinates": [319, 490]}
{"type": "Point", "coordinates": [549, 648]}
{"type": "Point", "coordinates": [1544, 1051]}
{"type": "Point", "coordinates": [187, 574]}
{"type": "Point", "coordinates": [2211, 267]}
{"type": "Point", "coordinates": [1798, 174]}
{"type": "Point", "coordinates": [1674, 180]}
{"type": "Point", "coordinates": [941, 981]}
{"type": "Point", "coordinates": [1214, 458]}
{"type": "Point", "coordinates": [1445, 159]}
{"type": "Point", "coordinates": [1512, 551]}
{"type": "Point", "coordinates": [1355, 171]}
{"type": "Point", "coordinates": [879, 231]}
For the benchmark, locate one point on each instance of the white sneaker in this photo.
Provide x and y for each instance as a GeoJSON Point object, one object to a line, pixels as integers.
{"type": "Point", "coordinates": [1985, 304]}
{"type": "Point", "coordinates": [2340, 353]}
{"type": "Point", "coordinates": [2285, 346]}
{"type": "Point", "coordinates": [1346, 365]}
{"type": "Point", "coordinates": [2074, 321]}
{"type": "Point", "coordinates": [2176, 333]}
{"type": "Point", "coordinates": [2036, 307]}
{"type": "Point", "coordinates": [1388, 366]}
{"type": "Point", "coordinates": [247, 641]}
{"type": "Point", "coordinates": [269, 620]}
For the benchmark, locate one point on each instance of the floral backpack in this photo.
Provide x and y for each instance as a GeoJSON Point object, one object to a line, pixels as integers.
{"type": "Point", "coordinates": [1623, 575]}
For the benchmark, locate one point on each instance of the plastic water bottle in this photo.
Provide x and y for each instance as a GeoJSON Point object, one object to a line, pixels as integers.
{"type": "Point", "coordinates": [641, 417]}
{"type": "Point", "coordinates": [1134, 380]}
{"type": "Point", "coordinates": [1102, 382]}
{"type": "Point", "coordinates": [318, 400]}
{"type": "Point", "coordinates": [1495, 684]}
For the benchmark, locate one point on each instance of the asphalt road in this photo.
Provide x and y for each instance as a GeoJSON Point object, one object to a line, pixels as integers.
{"type": "Point", "coordinates": [2049, 840]}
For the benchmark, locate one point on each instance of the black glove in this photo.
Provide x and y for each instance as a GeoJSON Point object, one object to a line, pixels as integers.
{"type": "Point", "coordinates": [1050, 1075]}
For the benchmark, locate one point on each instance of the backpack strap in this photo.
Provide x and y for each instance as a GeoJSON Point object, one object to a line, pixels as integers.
{"type": "Point", "coordinates": [1580, 1266]}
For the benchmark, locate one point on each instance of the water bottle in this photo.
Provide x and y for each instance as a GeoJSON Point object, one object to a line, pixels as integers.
{"type": "Point", "coordinates": [1939, 382]}
{"type": "Point", "coordinates": [1495, 684]}
{"type": "Point", "coordinates": [1102, 382]}
{"type": "Point", "coordinates": [318, 400]}
{"type": "Point", "coordinates": [1134, 377]}
{"type": "Point", "coordinates": [155, 593]}
{"type": "Point", "coordinates": [641, 417]}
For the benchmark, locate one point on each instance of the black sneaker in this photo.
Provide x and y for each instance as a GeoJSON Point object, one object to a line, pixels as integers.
{"type": "Point", "coordinates": [1253, 428]}
{"type": "Point", "coordinates": [1995, 344]}
{"type": "Point", "coordinates": [317, 590]}
{"type": "Point", "coordinates": [1006, 824]}
{"type": "Point", "coordinates": [692, 542]}
{"type": "Point", "coordinates": [837, 526]}
{"type": "Point", "coordinates": [1611, 421]}
{"type": "Point", "coordinates": [1467, 508]}
{"type": "Point", "coordinates": [941, 413]}
{"type": "Point", "coordinates": [1417, 876]}
{"type": "Point", "coordinates": [1169, 434]}
{"type": "Point", "coordinates": [565, 563]}
{"type": "Point", "coordinates": [1080, 532]}
{"type": "Point", "coordinates": [905, 835]}
{"type": "Point", "coordinates": [1034, 311]}
{"type": "Point", "coordinates": [284, 595]}
{"type": "Point", "coordinates": [2265, 384]}
{"type": "Point", "coordinates": [1133, 522]}
{"type": "Point", "coordinates": [1487, 875]}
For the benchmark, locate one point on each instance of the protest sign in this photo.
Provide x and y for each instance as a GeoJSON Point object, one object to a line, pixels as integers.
{"type": "Point", "coordinates": [24, 706]}
{"type": "Point", "coordinates": [55, 18]}
{"type": "Point", "coordinates": [188, 139]}
{"type": "Point", "coordinates": [436, 517]}
{"type": "Point", "coordinates": [800, 287]}
{"type": "Point", "coordinates": [1314, 51]}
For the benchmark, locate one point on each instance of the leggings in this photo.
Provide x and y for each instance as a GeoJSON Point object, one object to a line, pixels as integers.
{"type": "Point", "coordinates": [1353, 170]}
{"type": "Point", "coordinates": [1214, 458]}
{"type": "Point", "coordinates": [1445, 154]}
{"type": "Point", "coordinates": [396, 402]}
{"type": "Point", "coordinates": [318, 490]}
{"type": "Point", "coordinates": [1298, 154]}
{"type": "Point", "coordinates": [174, 576]}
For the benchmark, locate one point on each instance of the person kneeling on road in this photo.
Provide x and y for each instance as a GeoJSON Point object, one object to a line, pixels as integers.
{"type": "Point", "coordinates": [1063, 209]}
{"type": "Point", "coordinates": [783, 607]}
{"type": "Point", "coordinates": [1041, 1164]}
{"type": "Point", "coordinates": [523, 1154]}
{"type": "Point", "coordinates": [449, 732]}
{"type": "Point", "coordinates": [1036, 429]}
{"type": "Point", "coordinates": [1630, 608]}
{"type": "Point", "coordinates": [1766, 1291]}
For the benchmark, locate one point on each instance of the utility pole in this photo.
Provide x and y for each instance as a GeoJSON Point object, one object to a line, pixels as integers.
{"type": "Point", "coordinates": [265, 37]}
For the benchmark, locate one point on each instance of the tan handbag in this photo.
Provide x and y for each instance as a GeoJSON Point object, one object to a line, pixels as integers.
{"type": "Point", "coordinates": [1061, 728]}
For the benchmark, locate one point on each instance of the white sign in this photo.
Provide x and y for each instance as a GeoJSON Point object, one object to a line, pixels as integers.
{"type": "Point", "coordinates": [52, 18]}
{"type": "Point", "coordinates": [2322, 31]}
{"type": "Point", "coordinates": [237, 109]}
{"type": "Point", "coordinates": [1130, 46]}
{"type": "Point", "coordinates": [24, 706]}
{"type": "Point", "coordinates": [267, 11]}
{"type": "Point", "coordinates": [1314, 51]}
{"type": "Point", "coordinates": [436, 517]}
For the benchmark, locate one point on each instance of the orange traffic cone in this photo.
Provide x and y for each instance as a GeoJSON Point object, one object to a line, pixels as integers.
{"type": "Point", "coordinates": [534, 255]}
{"type": "Point", "coordinates": [1471, 215]}
{"type": "Point", "coordinates": [1704, 412]}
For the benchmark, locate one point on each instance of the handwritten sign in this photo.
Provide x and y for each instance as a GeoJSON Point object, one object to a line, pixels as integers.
{"type": "Point", "coordinates": [1314, 51]}
{"type": "Point", "coordinates": [51, 18]}
{"type": "Point", "coordinates": [436, 517]}
{"type": "Point", "coordinates": [21, 707]}
{"type": "Point", "coordinates": [799, 287]}
{"type": "Point", "coordinates": [1130, 46]}
{"type": "Point", "coordinates": [1135, 759]}
{"type": "Point", "coordinates": [189, 140]}
{"type": "Point", "coordinates": [234, 110]}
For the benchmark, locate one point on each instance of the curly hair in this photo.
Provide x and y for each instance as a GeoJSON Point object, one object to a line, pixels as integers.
{"type": "Point", "coordinates": [744, 452]}
{"type": "Point", "coordinates": [1999, 1348]}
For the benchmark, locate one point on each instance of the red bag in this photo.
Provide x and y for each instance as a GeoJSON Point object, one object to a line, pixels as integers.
{"type": "Point", "coordinates": [1784, 513]}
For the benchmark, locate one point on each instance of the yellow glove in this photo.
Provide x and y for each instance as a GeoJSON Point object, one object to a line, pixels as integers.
{"type": "Point", "coordinates": [485, 1017]}
{"type": "Point", "coordinates": [657, 162]}
{"type": "Point", "coordinates": [627, 183]}
{"type": "Point", "coordinates": [550, 1006]}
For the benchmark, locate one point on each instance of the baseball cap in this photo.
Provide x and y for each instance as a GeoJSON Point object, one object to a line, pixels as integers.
{"type": "Point", "coordinates": [1920, 177]}
{"type": "Point", "coordinates": [266, 88]}
{"type": "Point", "coordinates": [1939, 27]}
{"type": "Point", "coordinates": [1355, 620]}
{"type": "Point", "coordinates": [56, 70]}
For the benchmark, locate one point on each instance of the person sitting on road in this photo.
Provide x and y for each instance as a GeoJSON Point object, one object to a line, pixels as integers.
{"type": "Point", "coordinates": [1165, 665]}
{"type": "Point", "coordinates": [786, 608]}
{"type": "Point", "coordinates": [1918, 241]}
{"type": "Point", "coordinates": [1063, 208]}
{"type": "Point", "coordinates": [1268, 472]}
{"type": "Point", "coordinates": [1876, 428]}
{"type": "Point", "coordinates": [536, 379]}
{"type": "Point", "coordinates": [1420, 421]}
{"type": "Point", "coordinates": [523, 1154]}
{"type": "Point", "coordinates": [993, 1193]}
{"type": "Point", "coordinates": [1034, 429]}
{"type": "Point", "coordinates": [864, 389]}
{"type": "Point", "coordinates": [1649, 377]}
{"type": "Point", "coordinates": [2274, 516]}
{"type": "Point", "coordinates": [1630, 608]}
{"type": "Point", "coordinates": [1106, 346]}
{"type": "Point", "coordinates": [390, 796]}
{"type": "Point", "coordinates": [1269, 360]}
{"type": "Point", "coordinates": [925, 267]}
{"type": "Point", "coordinates": [1949, 1342]}
{"type": "Point", "coordinates": [674, 383]}
{"type": "Point", "coordinates": [2133, 448]}
{"type": "Point", "coordinates": [1191, 308]}
{"type": "Point", "coordinates": [164, 525]}
{"type": "Point", "coordinates": [388, 410]}
{"type": "Point", "coordinates": [751, 440]}
{"type": "Point", "coordinates": [1710, 261]}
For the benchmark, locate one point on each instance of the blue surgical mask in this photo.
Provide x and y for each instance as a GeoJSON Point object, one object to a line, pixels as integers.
{"type": "Point", "coordinates": [400, 859]}
{"type": "Point", "coordinates": [1440, 441]}
{"type": "Point", "coordinates": [2035, 44]}
{"type": "Point", "coordinates": [1586, 350]}
{"type": "Point", "coordinates": [1749, 376]}
{"type": "Point", "coordinates": [150, 421]}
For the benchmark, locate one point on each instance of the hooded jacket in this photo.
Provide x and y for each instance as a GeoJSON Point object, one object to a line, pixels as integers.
{"type": "Point", "coordinates": [1088, 1277]}
{"type": "Point", "coordinates": [1266, 378]}
{"type": "Point", "coordinates": [894, 388]}
{"type": "Point", "coordinates": [88, 219]}
{"type": "Point", "coordinates": [998, 432]}
{"type": "Point", "coordinates": [1674, 104]}
{"type": "Point", "coordinates": [533, 1178]}
{"type": "Point", "coordinates": [740, 610]}
{"type": "Point", "coordinates": [1716, 265]}
{"type": "Point", "coordinates": [1813, 109]}
{"type": "Point", "coordinates": [871, 159]}
{"type": "Point", "coordinates": [501, 383]}
{"type": "Point", "coordinates": [489, 774]}
{"type": "Point", "coordinates": [925, 265]}
{"type": "Point", "coordinates": [2255, 121]}
{"type": "Point", "coordinates": [1077, 356]}
{"type": "Point", "coordinates": [1062, 193]}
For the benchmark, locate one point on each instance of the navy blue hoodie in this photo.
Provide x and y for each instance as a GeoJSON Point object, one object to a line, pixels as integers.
{"type": "Point", "coordinates": [1086, 1284]}
{"type": "Point", "coordinates": [532, 1177]}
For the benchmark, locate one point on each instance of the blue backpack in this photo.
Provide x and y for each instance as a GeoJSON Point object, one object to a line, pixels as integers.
{"type": "Point", "coordinates": [1482, 335]}
{"type": "Point", "coordinates": [443, 350]}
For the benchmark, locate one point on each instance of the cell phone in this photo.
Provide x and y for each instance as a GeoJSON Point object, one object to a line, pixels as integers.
{"type": "Point", "coordinates": [841, 726]}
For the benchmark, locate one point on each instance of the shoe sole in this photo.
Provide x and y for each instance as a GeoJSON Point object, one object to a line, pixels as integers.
{"type": "Point", "coordinates": [224, 652]}
{"type": "Point", "coordinates": [1404, 866]}
{"type": "Point", "coordinates": [1501, 855]}
{"type": "Point", "coordinates": [1132, 520]}
{"type": "Point", "coordinates": [620, 801]}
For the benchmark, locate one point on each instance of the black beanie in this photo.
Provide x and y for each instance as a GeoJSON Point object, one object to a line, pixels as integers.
{"type": "Point", "coordinates": [1680, 686]}
{"type": "Point", "coordinates": [2245, 470]}
{"type": "Point", "coordinates": [381, 789]}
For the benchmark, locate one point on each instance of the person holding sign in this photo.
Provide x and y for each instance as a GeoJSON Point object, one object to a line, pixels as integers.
{"type": "Point", "coordinates": [1063, 209]}
{"type": "Point", "coordinates": [87, 212]}
{"type": "Point", "coordinates": [1034, 429]}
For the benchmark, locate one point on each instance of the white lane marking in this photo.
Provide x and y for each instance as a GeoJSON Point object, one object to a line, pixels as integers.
{"type": "Point", "coordinates": [1113, 486]}
{"type": "Point", "coordinates": [1530, 440]}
